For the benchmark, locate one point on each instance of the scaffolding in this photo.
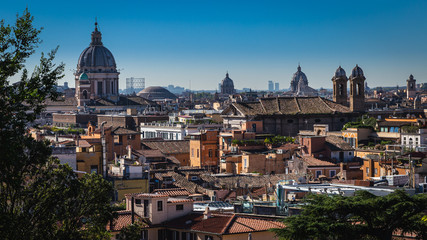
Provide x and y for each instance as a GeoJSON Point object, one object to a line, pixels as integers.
{"type": "Point", "coordinates": [134, 84]}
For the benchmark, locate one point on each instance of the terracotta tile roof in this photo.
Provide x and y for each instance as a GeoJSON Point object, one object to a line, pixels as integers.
{"type": "Point", "coordinates": [336, 143]}
{"type": "Point", "coordinates": [169, 147]}
{"type": "Point", "coordinates": [313, 162]}
{"type": "Point", "coordinates": [149, 195]}
{"type": "Point", "coordinates": [123, 101]}
{"type": "Point", "coordinates": [224, 223]}
{"type": "Point", "coordinates": [245, 224]}
{"type": "Point", "coordinates": [84, 143]}
{"type": "Point", "coordinates": [288, 146]}
{"type": "Point", "coordinates": [123, 219]}
{"type": "Point", "coordinates": [69, 101]}
{"type": "Point", "coordinates": [194, 221]}
{"type": "Point", "coordinates": [123, 131]}
{"type": "Point", "coordinates": [148, 153]}
{"type": "Point", "coordinates": [178, 200]}
{"type": "Point", "coordinates": [172, 192]}
{"type": "Point", "coordinates": [290, 106]}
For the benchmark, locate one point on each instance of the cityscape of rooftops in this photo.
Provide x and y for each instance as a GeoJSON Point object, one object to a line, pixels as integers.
{"type": "Point", "coordinates": [213, 120]}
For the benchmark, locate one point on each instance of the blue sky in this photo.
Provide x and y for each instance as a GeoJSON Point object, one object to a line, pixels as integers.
{"type": "Point", "coordinates": [178, 42]}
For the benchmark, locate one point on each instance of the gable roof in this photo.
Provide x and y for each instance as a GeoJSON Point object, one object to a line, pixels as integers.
{"type": "Point", "coordinates": [123, 131]}
{"type": "Point", "coordinates": [314, 162]}
{"type": "Point", "coordinates": [224, 223]}
{"type": "Point", "coordinates": [289, 106]}
{"type": "Point", "coordinates": [246, 224]}
{"type": "Point", "coordinates": [172, 192]}
{"type": "Point", "coordinates": [169, 147]}
{"type": "Point", "coordinates": [123, 101]}
{"type": "Point", "coordinates": [336, 143]}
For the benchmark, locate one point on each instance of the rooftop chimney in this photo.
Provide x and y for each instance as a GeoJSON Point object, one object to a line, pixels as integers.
{"type": "Point", "coordinates": [206, 213]}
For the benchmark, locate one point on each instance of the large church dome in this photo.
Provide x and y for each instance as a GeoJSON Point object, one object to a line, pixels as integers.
{"type": "Point", "coordinates": [153, 93]}
{"type": "Point", "coordinates": [227, 82]}
{"type": "Point", "coordinates": [96, 56]}
{"type": "Point", "coordinates": [298, 76]}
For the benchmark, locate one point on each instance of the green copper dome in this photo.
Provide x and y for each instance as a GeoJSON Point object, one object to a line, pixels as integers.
{"type": "Point", "coordinates": [83, 76]}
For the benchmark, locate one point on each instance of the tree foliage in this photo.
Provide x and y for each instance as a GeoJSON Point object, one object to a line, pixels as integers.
{"type": "Point", "coordinates": [363, 216]}
{"type": "Point", "coordinates": [363, 122]}
{"type": "Point", "coordinates": [130, 232]}
{"type": "Point", "coordinates": [39, 198]}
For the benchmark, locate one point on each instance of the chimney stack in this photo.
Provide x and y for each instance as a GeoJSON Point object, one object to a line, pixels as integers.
{"type": "Point", "coordinates": [207, 213]}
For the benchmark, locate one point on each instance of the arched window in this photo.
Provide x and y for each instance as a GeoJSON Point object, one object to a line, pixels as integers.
{"type": "Point", "coordinates": [84, 94]}
{"type": "Point", "coordinates": [359, 89]}
{"type": "Point", "coordinates": [341, 89]}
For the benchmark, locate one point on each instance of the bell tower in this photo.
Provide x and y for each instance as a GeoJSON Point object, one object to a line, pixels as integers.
{"type": "Point", "coordinates": [411, 87]}
{"type": "Point", "coordinates": [357, 90]}
{"type": "Point", "coordinates": [340, 86]}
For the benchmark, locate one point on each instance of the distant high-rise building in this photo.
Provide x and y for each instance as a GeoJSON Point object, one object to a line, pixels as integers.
{"type": "Point", "coordinates": [134, 85]}
{"type": "Point", "coordinates": [270, 86]}
{"type": "Point", "coordinates": [276, 87]}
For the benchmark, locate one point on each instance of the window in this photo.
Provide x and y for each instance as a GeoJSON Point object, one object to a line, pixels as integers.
{"type": "Point", "coordinates": [94, 169]}
{"type": "Point", "coordinates": [375, 171]}
{"type": "Point", "coordinates": [367, 170]}
{"type": "Point", "coordinates": [332, 173]}
{"type": "Point", "coordinates": [144, 234]}
{"type": "Point", "coordinates": [131, 137]}
{"type": "Point", "coordinates": [197, 152]}
{"type": "Point", "coordinates": [192, 152]}
{"type": "Point", "coordinates": [138, 201]}
{"type": "Point", "coordinates": [159, 206]}
{"type": "Point", "coordinates": [208, 237]}
{"type": "Point", "coordinates": [179, 207]}
{"type": "Point", "coordinates": [245, 163]}
{"type": "Point", "coordinates": [318, 173]}
{"type": "Point", "coordinates": [210, 152]}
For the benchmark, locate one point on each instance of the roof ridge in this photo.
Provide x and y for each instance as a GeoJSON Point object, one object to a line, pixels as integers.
{"type": "Point", "coordinates": [228, 224]}
{"type": "Point", "coordinates": [327, 105]}
{"type": "Point", "coordinates": [262, 105]}
{"type": "Point", "coordinates": [296, 101]}
{"type": "Point", "coordinates": [278, 105]}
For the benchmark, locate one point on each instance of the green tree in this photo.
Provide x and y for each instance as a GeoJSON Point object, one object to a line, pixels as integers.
{"type": "Point", "coordinates": [363, 216]}
{"type": "Point", "coordinates": [39, 198]}
{"type": "Point", "coordinates": [130, 232]}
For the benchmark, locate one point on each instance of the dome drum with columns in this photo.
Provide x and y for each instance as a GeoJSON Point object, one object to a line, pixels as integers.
{"type": "Point", "coordinates": [96, 75]}
{"type": "Point", "coordinates": [299, 85]}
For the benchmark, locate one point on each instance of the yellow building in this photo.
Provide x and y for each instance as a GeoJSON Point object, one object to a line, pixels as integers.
{"type": "Point", "coordinates": [89, 157]}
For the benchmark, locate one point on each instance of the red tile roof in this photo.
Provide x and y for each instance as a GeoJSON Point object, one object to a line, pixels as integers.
{"type": "Point", "coordinates": [195, 222]}
{"type": "Point", "coordinates": [178, 200]}
{"type": "Point", "coordinates": [149, 195]}
{"type": "Point", "coordinates": [84, 143]}
{"type": "Point", "coordinates": [224, 223]}
{"type": "Point", "coordinates": [172, 192]}
{"type": "Point", "coordinates": [123, 219]}
{"type": "Point", "coordinates": [312, 162]}
{"type": "Point", "coordinates": [244, 224]}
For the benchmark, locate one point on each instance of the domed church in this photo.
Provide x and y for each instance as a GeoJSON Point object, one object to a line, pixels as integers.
{"type": "Point", "coordinates": [96, 75]}
{"type": "Point", "coordinates": [227, 85]}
